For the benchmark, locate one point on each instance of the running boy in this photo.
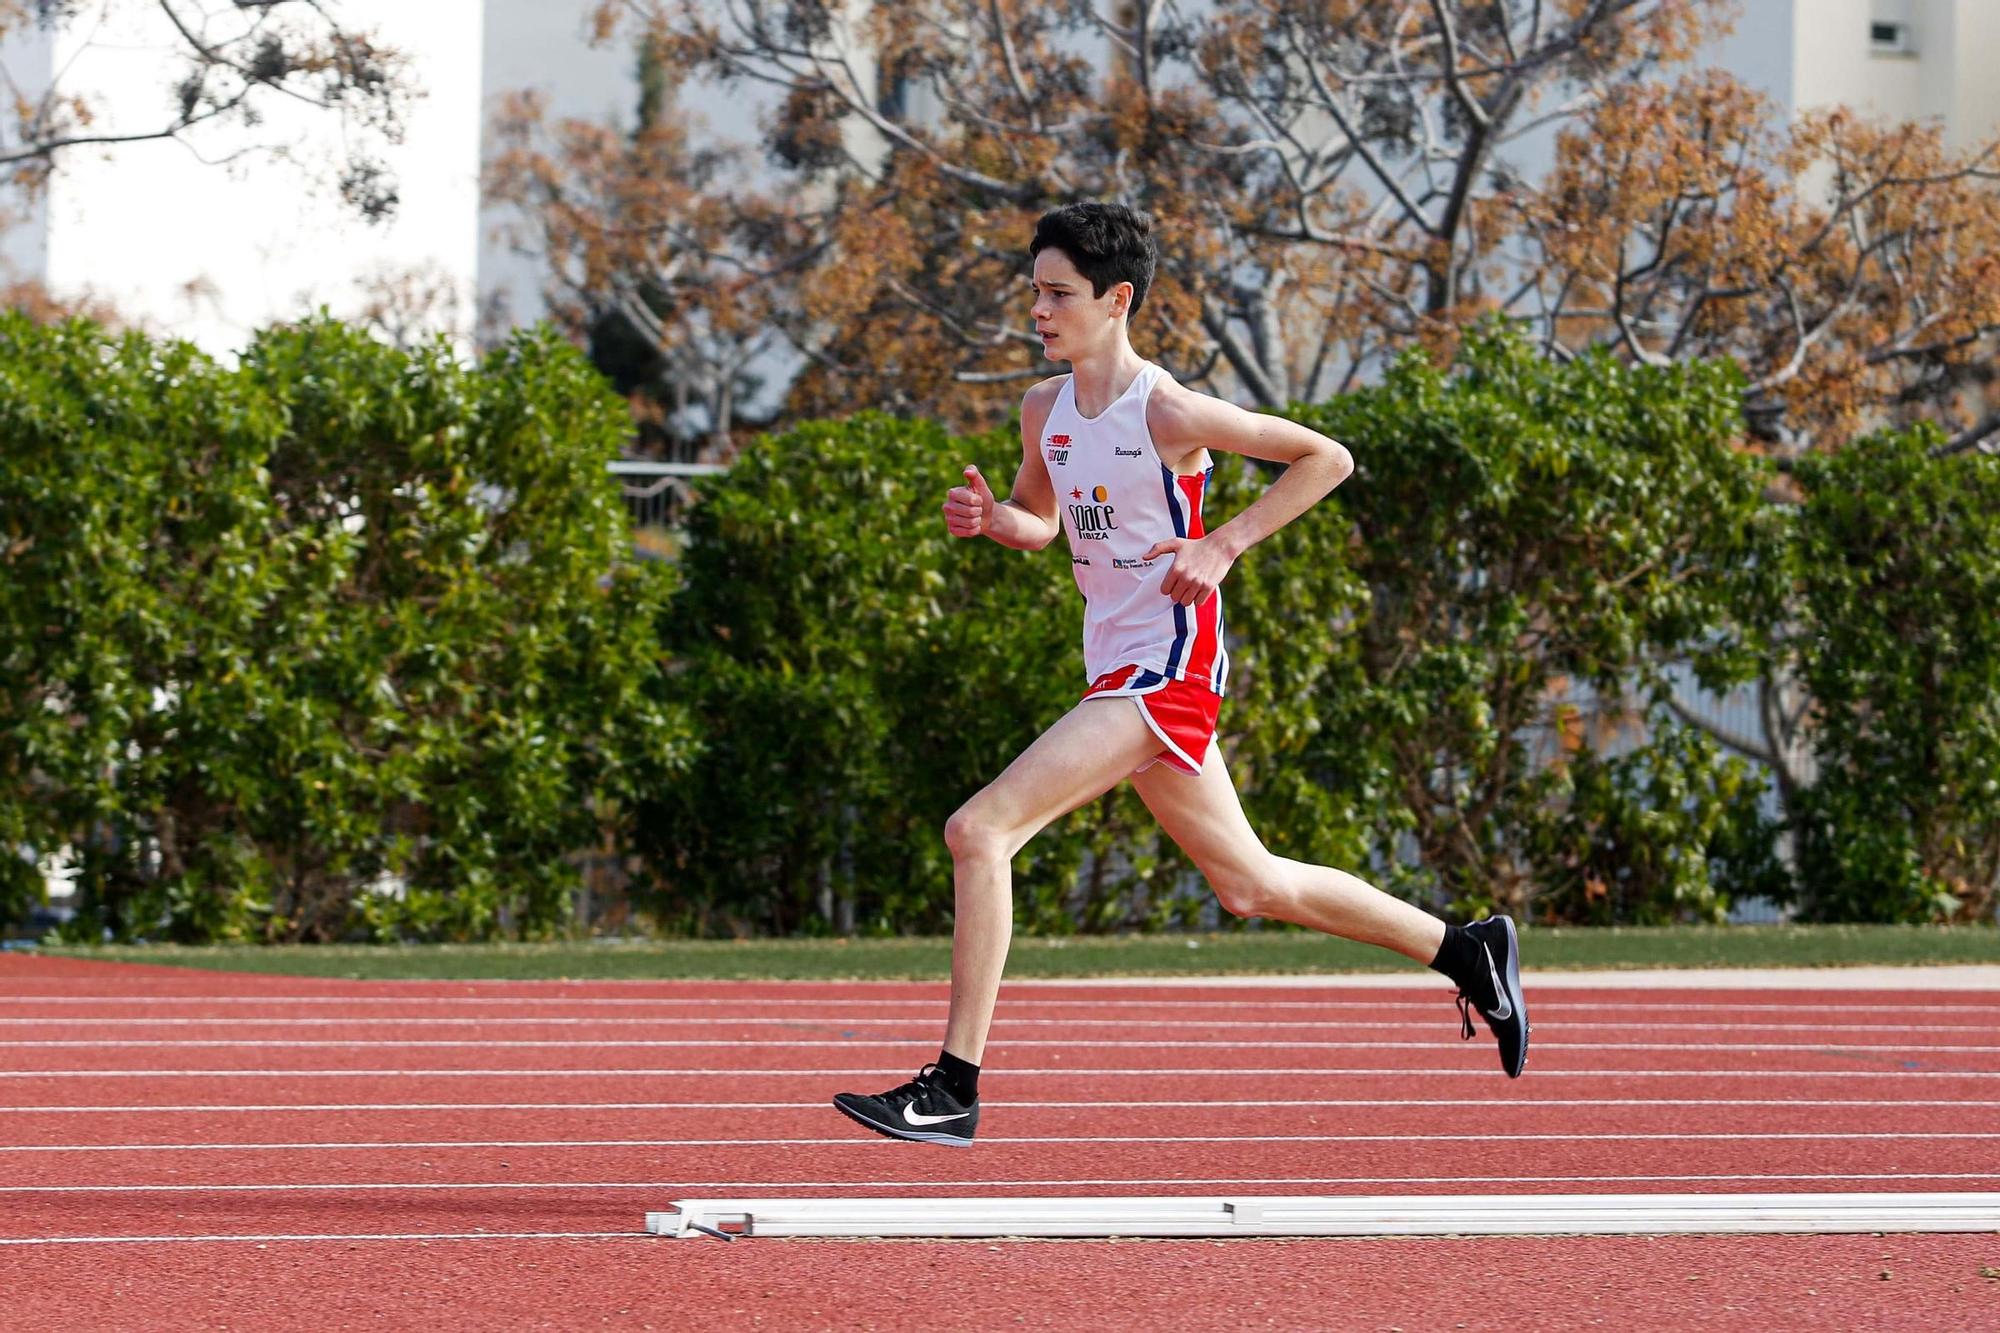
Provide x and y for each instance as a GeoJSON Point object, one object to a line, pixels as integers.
{"type": "Point", "coordinates": [1115, 456]}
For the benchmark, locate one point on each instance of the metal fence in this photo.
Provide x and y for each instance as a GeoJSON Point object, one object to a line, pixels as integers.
{"type": "Point", "coordinates": [658, 493]}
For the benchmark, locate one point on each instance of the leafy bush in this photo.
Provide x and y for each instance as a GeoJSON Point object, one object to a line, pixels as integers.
{"type": "Point", "coordinates": [1515, 523]}
{"type": "Point", "coordinates": [1897, 568]}
{"type": "Point", "coordinates": [341, 638]}
{"type": "Point", "coordinates": [1517, 526]}
{"type": "Point", "coordinates": [347, 641]}
{"type": "Point", "coordinates": [1658, 835]}
{"type": "Point", "coordinates": [859, 674]}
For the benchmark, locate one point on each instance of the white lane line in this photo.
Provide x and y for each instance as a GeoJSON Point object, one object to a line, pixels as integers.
{"type": "Point", "coordinates": [939, 1005]}
{"type": "Point", "coordinates": [273, 1239]}
{"type": "Point", "coordinates": [838, 1021]}
{"type": "Point", "coordinates": [1486, 1103]}
{"type": "Point", "coordinates": [435, 1145]}
{"type": "Point", "coordinates": [782, 1043]}
{"type": "Point", "coordinates": [885, 1071]}
{"type": "Point", "coordinates": [427, 1185]}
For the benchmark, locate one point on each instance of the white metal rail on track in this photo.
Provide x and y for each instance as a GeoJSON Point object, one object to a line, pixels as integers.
{"type": "Point", "coordinates": [1292, 1215]}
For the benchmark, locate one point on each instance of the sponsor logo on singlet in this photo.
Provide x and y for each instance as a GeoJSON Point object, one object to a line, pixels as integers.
{"type": "Point", "coordinates": [1058, 448]}
{"type": "Point", "coordinates": [1119, 563]}
{"type": "Point", "coordinates": [1124, 453]}
{"type": "Point", "coordinates": [1093, 520]}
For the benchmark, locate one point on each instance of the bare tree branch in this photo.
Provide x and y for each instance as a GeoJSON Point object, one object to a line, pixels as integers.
{"type": "Point", "coordinates": [1975, 436]}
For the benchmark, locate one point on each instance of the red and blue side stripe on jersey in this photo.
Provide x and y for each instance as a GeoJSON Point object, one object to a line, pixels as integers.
{"type": "Point", "coordinates": [1198, 652]}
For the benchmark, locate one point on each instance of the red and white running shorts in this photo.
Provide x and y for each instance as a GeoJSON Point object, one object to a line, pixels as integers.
{"type": "Point", "coordinates": [1182, 714]}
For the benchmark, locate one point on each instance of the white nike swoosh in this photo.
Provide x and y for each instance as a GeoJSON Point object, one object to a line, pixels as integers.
{"type": "Point", "coordinates": [914, 1117]}
{"type": "Point", "coordinates": [1505, 1009]}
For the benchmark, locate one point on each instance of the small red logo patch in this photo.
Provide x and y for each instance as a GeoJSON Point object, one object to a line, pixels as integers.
{"type": "Point", "coordinates": [1058, 440]}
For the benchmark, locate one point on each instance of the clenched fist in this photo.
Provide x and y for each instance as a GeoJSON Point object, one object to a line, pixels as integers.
{"type": "Point", "coordinates": [967, 508]}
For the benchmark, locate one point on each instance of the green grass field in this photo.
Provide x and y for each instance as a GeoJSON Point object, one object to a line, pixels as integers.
{"type": "Point", "coordinates": [1246, 953]}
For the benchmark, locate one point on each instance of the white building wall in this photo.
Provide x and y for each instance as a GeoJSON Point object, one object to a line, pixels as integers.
{"type": "Point", "coordinates": [1835, 62]}
{"type": "Point", "coordinates": [1973, 110]}
{"type": "Point", "coordinates": [1944, 74]}
{"type": "Point", "coordinates": [26, 57]}
{"type": "Point", "coordinates": [215, 237]}
{"type": "Point", "coordinates": [1759, 50]}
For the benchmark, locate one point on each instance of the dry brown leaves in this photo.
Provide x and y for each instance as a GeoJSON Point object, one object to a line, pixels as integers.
{"type": "Point", "coordinates": [1850, 267]}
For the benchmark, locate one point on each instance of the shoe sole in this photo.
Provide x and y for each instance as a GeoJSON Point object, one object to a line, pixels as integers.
{"type": "Point", "coordinates": [1514, 996]}
{"type": "Point", "coordinates": [897, 1132]}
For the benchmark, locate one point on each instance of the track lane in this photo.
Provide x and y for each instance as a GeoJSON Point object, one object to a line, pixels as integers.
{"type": "Point", "coordinates": [836, 1153]}
{"type": "Point", "coordinates": [1776, 1283]}
{"type": "Point", "coordinates": [1445, 1055]}
{"type": "Point", "coordinates": [139, 1087]}
{"type": "Point", "coordinates": [1749, 1045]}
{"type": "Point", "coordinates": [1080, 1117]}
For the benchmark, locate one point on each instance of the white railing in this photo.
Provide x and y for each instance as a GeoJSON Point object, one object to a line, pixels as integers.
{"type": "Point", "coordinates": [657, 493]}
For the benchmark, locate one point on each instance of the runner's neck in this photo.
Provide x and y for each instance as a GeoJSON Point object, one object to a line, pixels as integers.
{"type": "Point", "coordinates": [1097, 383]}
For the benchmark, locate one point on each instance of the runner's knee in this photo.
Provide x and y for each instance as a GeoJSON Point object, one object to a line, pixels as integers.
{"type": "Point", "coordinates": [1245, 888]}
{"type": "Point", "coordinates": [971, 836]}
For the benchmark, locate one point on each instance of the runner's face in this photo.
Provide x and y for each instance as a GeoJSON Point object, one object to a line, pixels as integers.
{"type": "Point", "coordinates": [1069, 320]}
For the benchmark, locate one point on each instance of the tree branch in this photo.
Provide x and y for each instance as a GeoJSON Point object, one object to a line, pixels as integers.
{"type": "Point", "coordinates": [1240, 358]}
{"type": "Point", "coordinates": [1971, 437]}
{"type": "Point", "coordinates": [1329, 103]}
{"type": "Point", "coordinates": [1473, 110]}
{"type": "Point", "coordinates": [1005, 41]}
{"type": "Point", "coordinates": [1734, 740]}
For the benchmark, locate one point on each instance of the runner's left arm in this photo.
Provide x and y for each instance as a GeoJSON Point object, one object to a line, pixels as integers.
{"type": "Point", "coordinates": [1181, 421]}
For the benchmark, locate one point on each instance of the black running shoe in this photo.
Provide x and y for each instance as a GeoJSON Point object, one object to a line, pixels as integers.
{"type": "Point", "coordinates": [1497, 995]}
{"type": "Point", "coordinates": [921, 1111]}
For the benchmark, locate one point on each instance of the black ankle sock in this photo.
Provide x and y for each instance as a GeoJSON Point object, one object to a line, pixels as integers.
{"type": "Point", "coordinates": [961, 1080]}
{"type": "Point", "coordinates": [1460, 958]}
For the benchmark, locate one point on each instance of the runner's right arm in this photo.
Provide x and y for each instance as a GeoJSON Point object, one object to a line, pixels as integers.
{"type": "Point", "coordinates": [1027, 519]}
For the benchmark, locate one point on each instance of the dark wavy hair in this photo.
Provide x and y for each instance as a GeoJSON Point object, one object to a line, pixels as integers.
{"type": "Point", "coordinates": [1108, 243]}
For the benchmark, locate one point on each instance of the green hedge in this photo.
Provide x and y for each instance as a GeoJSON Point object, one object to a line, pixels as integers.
{"type": "Point", "coordinates": [1897, 565]}
{"type": "Point", "coordinates": [1521, 529]}
{"type": "Point", "coordinates": [859, 673]}
{"type": "Point", "coordinates": [279, 639]}
{"type": "Point", "coordinates": [346, 642]}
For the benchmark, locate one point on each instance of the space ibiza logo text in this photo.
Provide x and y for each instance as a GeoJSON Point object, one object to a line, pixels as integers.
{"type": "Point", "coordinates": [1092, 518]}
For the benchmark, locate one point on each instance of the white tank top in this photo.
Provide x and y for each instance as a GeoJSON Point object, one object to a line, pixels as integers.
{"type": "Point", "coordinates": [1117, 500]}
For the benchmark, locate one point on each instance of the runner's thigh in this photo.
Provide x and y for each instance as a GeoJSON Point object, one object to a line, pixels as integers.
{"type": "Point", "coordinates": [1205, 819]}
{"type": "Point", "coordinates": [1089, 750]}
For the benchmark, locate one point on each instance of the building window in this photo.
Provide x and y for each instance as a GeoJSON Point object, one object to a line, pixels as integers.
{"type": "Point", "coordinates": [1891, 39]}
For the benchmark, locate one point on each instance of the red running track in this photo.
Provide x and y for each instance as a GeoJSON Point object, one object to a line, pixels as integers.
{"type": "Point", "coordinates": [206, 1150]}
